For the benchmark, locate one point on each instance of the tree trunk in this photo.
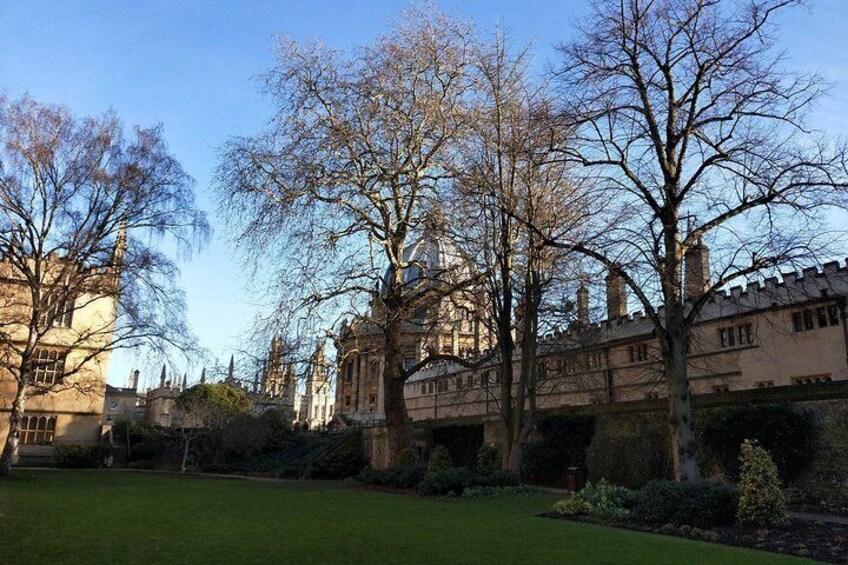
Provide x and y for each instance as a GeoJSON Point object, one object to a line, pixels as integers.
{"type": "Point", "coordinates": [394, 404]}
{"type": "Point", "coordinates": [681, 421]}
{"type": "Point", "coordinates": [10, 449]}
{"type": "Point", "coordinates": [185, 456]}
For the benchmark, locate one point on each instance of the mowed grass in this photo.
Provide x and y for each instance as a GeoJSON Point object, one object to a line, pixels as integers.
{"type": "Point", "coordinates": [120, 517]}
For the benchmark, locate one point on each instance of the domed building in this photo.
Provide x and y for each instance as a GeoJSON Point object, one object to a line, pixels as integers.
{"type": "Point", "coordinates": [449, 325]}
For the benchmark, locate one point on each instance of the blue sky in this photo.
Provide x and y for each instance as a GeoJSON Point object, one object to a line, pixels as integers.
{"type": "Point", "coordinates": [190, 65]}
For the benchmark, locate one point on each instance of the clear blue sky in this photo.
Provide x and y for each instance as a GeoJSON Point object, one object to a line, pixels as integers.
{"type": "Point", "coordinates": [189, 65]}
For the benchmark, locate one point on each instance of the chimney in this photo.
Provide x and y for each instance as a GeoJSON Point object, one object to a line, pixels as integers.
{"type": "Point", "coordinates": [616, 295]}
{"type": "Point", "coordinates": [696, 270]}
{"type": "Point", "coordinates": [583, 305]}
{"type": "Point", "coordinates": [134, 379]}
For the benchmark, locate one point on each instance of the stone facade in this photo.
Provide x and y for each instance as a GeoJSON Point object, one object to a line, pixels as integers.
{"type": "Point", "coordinates": [70, 412]}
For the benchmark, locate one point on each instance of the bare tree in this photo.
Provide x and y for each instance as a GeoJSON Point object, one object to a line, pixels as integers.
{"type": "Point", "coordinates": [507, 171]}
{"type": "Point", "coordinates": [682, 112]}
{"type": "Point", "coordinates": [79, 204]}
{"type": "Point", "coordinates": [337, 184]}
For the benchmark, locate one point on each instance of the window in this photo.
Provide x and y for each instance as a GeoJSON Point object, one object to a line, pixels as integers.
{"type": "Point", "coordinates": [430, 387]}
{"type": "Point", "coordinates": [736, 335]}
{"type": "Point", "coordinates": [746, 334]}
{"type": "Point", "coordinates": [806, 320]}
{"type": "Point", "coordinates": [347, 400]}
{"type": "Point", "coordinates": [442, 385]}
{"type": "Point", "coordinates": [812, 379]}
{"type": "Point", "coordinates": [408, 363]}
{"type": "Point", "coordinates": [38, 430]}
{"type": "Point", "coordinates": [55, 309]}
{"type": "Point", "coordinates": [764, 384]}
{"type": "Point", "coordinates": [833, 315]}
{"type": "Point", "coordinates": [47, 366]}
{"type": "Point", "coordinates": [372, 399]}
{"type": "Point", "coordinates": [424, 388]}
{"type": "Point", "coordinates": [459, 383]}
{"type": "Point", "coordinates": [639, 352]}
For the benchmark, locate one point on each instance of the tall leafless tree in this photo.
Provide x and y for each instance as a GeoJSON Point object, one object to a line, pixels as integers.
{"type": "Point", "coordinates": [509, 179]}
{"type": "Point", "coordinates": [334, 188]}
{"type": "Point", "coordinates": [682, 110]}
{"type": "Point", "coordinates": [80, 204]}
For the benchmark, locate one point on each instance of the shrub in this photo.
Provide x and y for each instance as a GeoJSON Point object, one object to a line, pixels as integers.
{"type": "Point", "coordinates": [440, 459]}
{"type": "Point", "coordinates": [340, 464]}
{"type": "Point", "coordinates": [499, 479]}
{"type": "Point", "coordinates": [704, 504]}
{"type": "Point", "coordinates": [630, 449]}
{"type": "Point", "coordinates": [487, 460]}
{"type": "Point", "coordinates": [80, 456]}
{"type": "Point", "coordinates": [408, 456]}
{"type": "Point", "coordinates": [399, 476]}
{"type": "Point", "coordinates": [602, 502]}
{"type": "Point", "coordinates": [762, 501]}
{"type": "Point", "coordinates": [786, 431]}
{"type": "Point", "coordinates": [561, 442]}
{"type": "Point", "coordinates": [447, 482]}
{"type": "Point", "coordinates": [484, 491]}
{"type": "Point", "coordinates": [462, 442]}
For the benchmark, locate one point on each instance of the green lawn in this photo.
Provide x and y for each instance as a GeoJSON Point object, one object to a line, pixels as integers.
{"type": "Point", "coordinates": [116, 517]}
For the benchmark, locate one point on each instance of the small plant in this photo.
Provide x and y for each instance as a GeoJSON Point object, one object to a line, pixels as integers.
{"type": "Point", "coordinates": [762, 502]}
{"type": "Point", "coordinates": [408, 456]}
{"type": "Point", "coordinates": [487, 460]}
{"type": "Point", "coordinates": [440, 459]}
{"type": "Point", "coordinates": [447, 482]}
{"type": "Point", "coordinates": [602, 502]}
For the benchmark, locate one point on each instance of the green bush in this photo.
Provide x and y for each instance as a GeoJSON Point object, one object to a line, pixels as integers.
{"type": "Point", "coordinates": [561, 443]}
{"type": "Point", "coordinates": [80, 456]}
{"type": "Point", "coordinates": [786, 431]}
{"type": "Point", "coordinates": [408, 456]}
{"type": "Point", "coordinates": [488, 460]}
{"type": "Point", "coordinates": [602, 502]}
{"type": "Point", "coordinates": [499, 479]}
{"type": "Point", "coordinates": [762, 503]}
{"type": "Point", "coordinates": [340, 464]}
{"type": "Point", "coordinates": [704, 504]}
{"type": "Point", "coordinates": [447, 482]}
{"type": "Point", "coordinates": [440, 459]}
{"type": "Point", "coordinates": [630, 449]}
{"type": "Point", "coordinates": [462, 442]}
{"type": "Point", "coordinates": [485, 491]}
{"type": "Point", "coordinates": [399, 476]}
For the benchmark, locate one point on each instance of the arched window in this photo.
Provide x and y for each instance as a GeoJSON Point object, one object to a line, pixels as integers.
{"type": "Point", "coordinates": [38, 430]}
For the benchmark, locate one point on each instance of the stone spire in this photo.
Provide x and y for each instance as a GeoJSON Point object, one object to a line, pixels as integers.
{"type": "Point", "coordinates": [231, 370]}
{"type": "Point", "coordinates": [582, 304]}
{"type": "Point", "coordinates": [120, 248]}
{"type": "Point", "coordinates": [185, 381]}
{"type": "Point", "coordinates": [162, 376]}
{"type": "Point", "coordinates": [203, 376]}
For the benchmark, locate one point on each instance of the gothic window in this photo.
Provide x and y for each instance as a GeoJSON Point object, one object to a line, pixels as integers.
{"type": "Point", "coordinates": [61, 312]}
{"type": "Point", "coordinates": [833, 315]}
{"type": "Point", "coordinates": [47, 366]}
{"type": "Point", "coordinates": [37, 430]}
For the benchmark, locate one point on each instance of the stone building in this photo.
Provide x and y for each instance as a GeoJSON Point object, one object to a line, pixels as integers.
{"type": "Point", "coordinates": [71, 408]}
{"type": "Point", "coordinates": [782, 332]}
{"type": "Point", "coordinates": [123, 403]}
{"type": "Point", "coordinates": [450, 326]}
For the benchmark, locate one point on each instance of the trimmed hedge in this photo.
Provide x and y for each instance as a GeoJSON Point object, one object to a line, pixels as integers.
{"type": "Point", "coordinates": [462, 443]}
{"type": "Point", "coordinates": [81, 455]}
{"type": "Point", "coordinates": [704, 504]}
{"type": "Point", "coordinates": [561, 443]}
{"type": "Point", "coordinates": [448, 482]}
{"type": "Point", "coordinates": [787, 432]}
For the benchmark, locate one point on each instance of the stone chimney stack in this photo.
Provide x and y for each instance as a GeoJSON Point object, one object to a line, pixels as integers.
{"type": "Point", "coordinates": [134, 379]}
{"type": "Point", "coordinates": [583, 305]}
{"type": "Point", "coordinates": [616, 295]}
{"type": "Point", "coordinates": [696, 278]}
